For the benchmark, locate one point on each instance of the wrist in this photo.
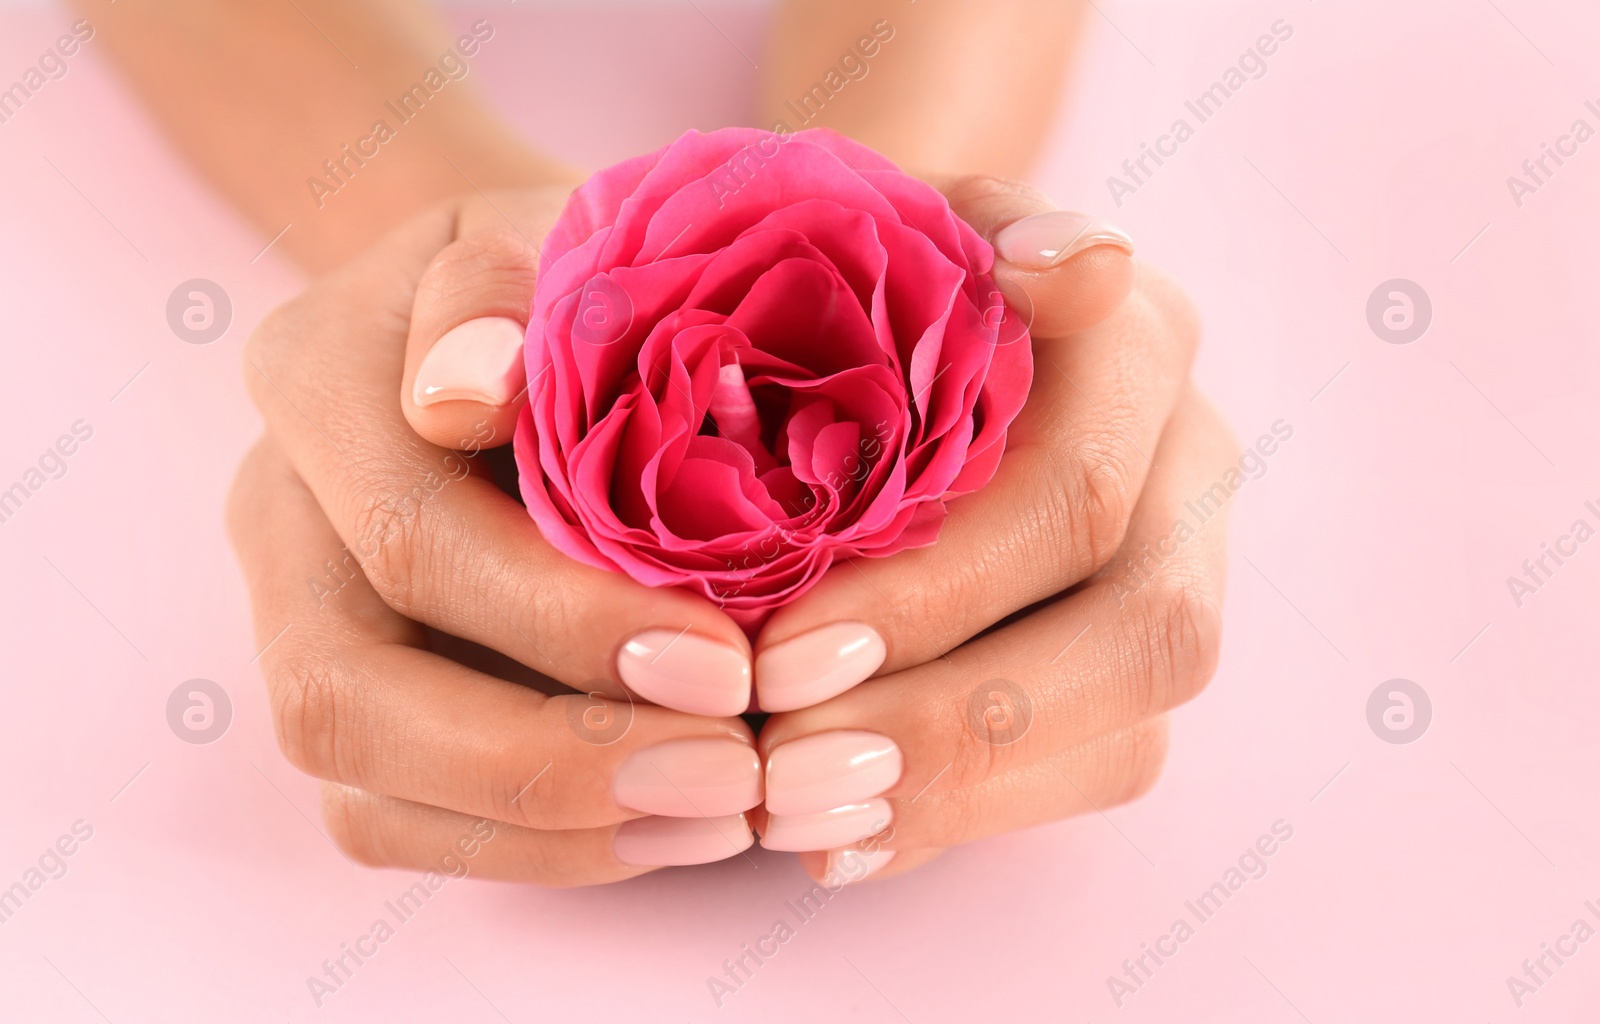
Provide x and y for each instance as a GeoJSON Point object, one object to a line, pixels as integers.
{"type": "Point", "coordinates": [339, 213]}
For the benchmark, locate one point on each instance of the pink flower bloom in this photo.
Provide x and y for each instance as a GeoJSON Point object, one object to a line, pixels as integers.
{"type": "Point", "coordinates": [753, 355]}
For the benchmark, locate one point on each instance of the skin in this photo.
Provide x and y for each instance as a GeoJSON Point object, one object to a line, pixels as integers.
{"type": "Point", "coordinates": [413, 745]}
{"type": "Point", "coordinates": [928, 98]}
{"type": "Point", "coordinates": [258, 93]}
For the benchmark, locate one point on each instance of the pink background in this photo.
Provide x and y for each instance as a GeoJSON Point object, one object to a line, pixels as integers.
{"type": "Point", "coordinates": [1419, 875]}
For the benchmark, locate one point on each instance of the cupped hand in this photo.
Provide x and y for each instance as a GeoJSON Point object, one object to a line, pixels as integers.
{"type": "Point", "coordinates": [1017, 671]}
{"type": "Point", "coordinates": [355, 533]}
{"type": "Point", "coordinates": [406, 484]}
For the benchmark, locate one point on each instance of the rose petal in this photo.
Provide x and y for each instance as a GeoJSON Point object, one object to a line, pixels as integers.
{"type": "Point", "coordinates": [750, 356]}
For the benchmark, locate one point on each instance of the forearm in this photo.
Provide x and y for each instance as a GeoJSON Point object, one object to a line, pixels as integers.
{"type": "Point", "coordinates": [951, 86]}
{"type": "Point", "coordinates": [308, 113]}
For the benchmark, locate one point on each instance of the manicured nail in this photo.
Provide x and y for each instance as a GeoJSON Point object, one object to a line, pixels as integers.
{"type": "Point", "coordinates": [830, 769]}
{"type": "Point", "coordinates": [686, 672]}
{"type": "Point", "coordinates": [825, 830]}
{"type": "Point", "coordinates": [853, 865]}
{"type": "Point", "coordinates": [670, 842]}
{"type": "Point", "coordinates": [817, 665]}
{"type": "Point", "coordinates": [478, 361]}
{"type": "Point", "coordinates": [1047, 240]}
{"type": "Point", "coordinates": [690, 778]}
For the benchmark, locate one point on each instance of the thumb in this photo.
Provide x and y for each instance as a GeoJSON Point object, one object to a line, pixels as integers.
{"type": "Point", "coordinates": [464, 382]}
{"type": "Point", "coordinates": [1062, 271]}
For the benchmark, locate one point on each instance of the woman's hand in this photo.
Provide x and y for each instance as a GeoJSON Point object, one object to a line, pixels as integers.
{"type": "Point", "coordinates": [1019, 668]}
{"type": "Point", "coordinates": [355, 533]}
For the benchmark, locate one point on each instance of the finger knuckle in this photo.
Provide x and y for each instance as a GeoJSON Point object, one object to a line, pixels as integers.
{"type": "Point", "coordinates": [271, 351]}
{"type": "Point", "coordinates": [540, 866]}
{"type": "Point", "coordinates": [386, 539]}
{"type": "Point", "coordinates": [1105, 503]}
{"type": "Point", "coordinates": [515, 781]}
{"type": "Point", "coordinates": [354, 828]}
{"type": "Point", "coordinates": [549, 606]}
{"type": "Point", "coordinates": [975, 189]}
{"type": "Point", "coordinates": [513, 796]}
{"type": "Point", "coordinates": [973, 760]}
{"type": "Point", "coordinates": [976, 754]}
{"type": "Point", "coordinates": [966, 815]}
{"type": "Point", "coordinates": [1143, 759]}
{"type": "Point", "coordinates": [1094, 502]}
{"type": "Point", "coordinates": [1183, 627]}
{"type": "Point", "coordinates": [407, 545]}
{"type": "Point", "coordinates": [492, 258]}
{"type": "Point", "coordinates": [305, 693]}
{"type": "Point", "coordinates": [942, 607]}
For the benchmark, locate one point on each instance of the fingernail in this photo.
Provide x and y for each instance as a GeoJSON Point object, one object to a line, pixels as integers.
{"type": "Point", "coordinates": [479, 361]}
{"type": "Point", "coordinates": [671, 842]}
{"type": "Point", "coordinates": [830, 769]}
{"type": "Point", "coordinates": [691, 778]}
{"type": "Point", "coordinates": [853, 865]}
{"type": "Point", "coordinates": [825, 830]}
{"type": "Point", "coordinates": [686, 672]}
{"type": "Point", "coordinates": [817, 665]}
{"type": "Point", "coordinates": [1047, 240]}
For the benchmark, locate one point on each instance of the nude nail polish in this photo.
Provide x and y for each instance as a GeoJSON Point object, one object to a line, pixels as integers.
{"type": "Point", "coordinates": [1048, 240]}
{"type": "Point", "coordinates": [671, 842]}
{"type": "Point", "coordinates": [477, 361]}
{"type": "Point", "coordinates": [830, 769]}
{"type": "Point", "coordinates": [828, 829]}
{"type": "Point", "coordinates": [814, 666]}
{"type": "Point", "coordinates": [852, 865]}
{"type": "Point", "coordinates": [690, 778]}
{"type": "Point", "coordinates": [686, 672]}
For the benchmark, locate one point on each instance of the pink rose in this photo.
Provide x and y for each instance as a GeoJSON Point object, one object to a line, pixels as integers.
{"type": "Point", "coordinates": [752, 355]}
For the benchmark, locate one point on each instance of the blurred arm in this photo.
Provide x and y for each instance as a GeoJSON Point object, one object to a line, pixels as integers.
{"type": "Point", "coordinates": [949, 86]}
{"type": "Point", "coordinates": [264, 96]}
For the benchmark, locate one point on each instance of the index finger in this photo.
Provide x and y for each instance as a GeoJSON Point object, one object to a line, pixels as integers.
{"type": "Point", "coordinates": [1062, 271]}
{"type": "Point", "coordinates": [464, 371]}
